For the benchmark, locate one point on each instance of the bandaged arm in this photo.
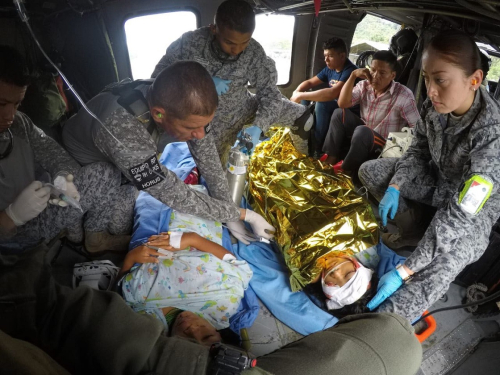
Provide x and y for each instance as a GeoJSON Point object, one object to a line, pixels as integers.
{"type": "Point", "coordinates": [200, 243]}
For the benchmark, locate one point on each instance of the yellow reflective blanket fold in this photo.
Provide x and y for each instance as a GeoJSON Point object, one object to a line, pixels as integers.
{"type": "Point", "coordinates": [314, 211]}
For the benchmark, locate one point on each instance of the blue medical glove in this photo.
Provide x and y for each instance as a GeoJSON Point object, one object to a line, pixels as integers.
{"type": "Point", "coordinates": [254, 132]}
{"type": "Point", "coordinates": [387, 285]}
{"type": "Point", "coordinates": [389, 202]}
{"type": "Point", "coordinates": [221, 85]}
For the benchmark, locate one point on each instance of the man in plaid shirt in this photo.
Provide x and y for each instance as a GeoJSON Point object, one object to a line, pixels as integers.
{"type": "Point", "coordinates": [386, 106]}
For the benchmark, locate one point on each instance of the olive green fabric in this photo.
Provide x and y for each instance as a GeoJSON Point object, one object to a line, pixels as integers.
{"type": "Point", "coordinates": [367, 344]}
{"type": "Point", "coordinates": [20, 357]}
{"type": "Point", "coordinates": [94, 332]}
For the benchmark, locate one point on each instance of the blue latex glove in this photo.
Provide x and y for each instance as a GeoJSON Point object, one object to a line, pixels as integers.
{"type": "Point", "coordinates": [389, 202]}
{"type": "Point", "coordinates": [254, 132]}
{"type": "Point", "coordinates": [221, 85]}
{"type": "Point", "coordinates": [387, 285]}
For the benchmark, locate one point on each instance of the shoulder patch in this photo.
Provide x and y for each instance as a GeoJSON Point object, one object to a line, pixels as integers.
{"type": "Point", "coordinates": [475, 193]}
{"type": "Point", "coordinates": [147, 174]}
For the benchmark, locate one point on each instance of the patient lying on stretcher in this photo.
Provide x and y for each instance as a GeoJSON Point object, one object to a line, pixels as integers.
{"type": "Point", "coordinates": [186, 279]}
{"type": "Point", "coordinates": [347, 284]}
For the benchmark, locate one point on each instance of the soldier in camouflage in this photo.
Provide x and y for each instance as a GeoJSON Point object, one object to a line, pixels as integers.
{"type": "Point", "coordinates": [234, 59]}
{"type": "Point", "coordinates": [452, 165]}
{"type": "Point", "coordinates": [181, 102]}
{"type": "Point", "coordinates": [28, 156]}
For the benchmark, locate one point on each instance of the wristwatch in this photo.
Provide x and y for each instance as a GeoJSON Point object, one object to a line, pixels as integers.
{"type": "Point", "coordinates": [402, 272]}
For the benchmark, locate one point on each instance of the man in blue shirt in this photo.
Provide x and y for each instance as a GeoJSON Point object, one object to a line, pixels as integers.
{"type": "Point", "coordinates": [337, 71]}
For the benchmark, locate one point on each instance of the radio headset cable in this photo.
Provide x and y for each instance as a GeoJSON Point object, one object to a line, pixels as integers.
{"type": "Point", "coordinates": [463, 306]}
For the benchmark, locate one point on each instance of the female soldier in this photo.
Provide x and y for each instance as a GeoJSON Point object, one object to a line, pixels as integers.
{"type": "Point", "coordinates": [453, 165]}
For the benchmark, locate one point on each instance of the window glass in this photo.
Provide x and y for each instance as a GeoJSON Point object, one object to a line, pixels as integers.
{"type": "Point", "coordinates": [149, 36]}
{"type": "Point", "coordinates": [275, 34]}
{"type": "Point", "coordinates": [494, 71]}
{"type": "Point", "coordinates": [372, 34]}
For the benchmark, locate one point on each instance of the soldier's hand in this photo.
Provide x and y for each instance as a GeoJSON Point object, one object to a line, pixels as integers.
{"type": "Point", "coordinates": [221, 85]}
{"type": "Point", "coordinates": [389, 204]}
{"type": "Point", "coordinates": [387, 285]}
{"type": "Point", "coordinates": [29, 204]}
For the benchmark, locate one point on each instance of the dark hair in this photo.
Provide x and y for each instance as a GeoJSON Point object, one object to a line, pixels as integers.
{"type": "Point", "coordinates": [388, 57]}
{"type": "Point", "coordinates": [458, 49]}
{"type": "Point", "coordinates": [315, 292]}
{"type": "Point", "coordinates": [236, 15]}
{"type": "Point", "coordinates": [336, 44]}
{"type": "Point", "coordinates": [358, 307]}
{"type": "Point", "coordinates": [13, 68]}
{"type": "Point", "coordinates": [184, 88]}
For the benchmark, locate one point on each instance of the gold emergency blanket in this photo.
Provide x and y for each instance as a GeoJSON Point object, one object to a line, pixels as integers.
{"type": "Point", "coordinates": [314, 211]}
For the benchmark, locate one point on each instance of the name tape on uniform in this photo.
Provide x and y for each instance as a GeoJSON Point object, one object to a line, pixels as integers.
{"type": "Point", "coordinates": [147, 174]}
{"type": "Point", "coordinates": [475, 193]}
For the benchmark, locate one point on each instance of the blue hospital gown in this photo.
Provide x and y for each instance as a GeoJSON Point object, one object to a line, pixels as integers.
{"type": "Point", "coordinates": [192, 280]}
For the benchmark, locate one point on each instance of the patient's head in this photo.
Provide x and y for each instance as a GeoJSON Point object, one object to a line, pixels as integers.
{"type": "Point", "coordinates": [191, 326]}
{"type": "Point", "coordinates": [344, 280]}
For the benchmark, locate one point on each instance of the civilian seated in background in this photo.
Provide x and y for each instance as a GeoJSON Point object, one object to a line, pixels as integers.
{"type": "Point", "coordinates": [385, 106]}
{"type": "Point", "coordinates": [193, 287]}
{"type": "Point", "coordinates": [337, 71]}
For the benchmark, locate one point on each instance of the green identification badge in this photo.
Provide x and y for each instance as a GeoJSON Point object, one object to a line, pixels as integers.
{"type": "Point", "coordinates": [475, 193]}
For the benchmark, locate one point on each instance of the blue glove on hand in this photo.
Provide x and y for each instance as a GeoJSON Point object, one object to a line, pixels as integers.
{"type": "Point", "coordinates": [221, 85]}
{"type": "Point", "coordinates": [254, 132]}
{"type": "Point", "coordinates": [387, 285]}
{"type": "Point", "coordinates": [390, 201]}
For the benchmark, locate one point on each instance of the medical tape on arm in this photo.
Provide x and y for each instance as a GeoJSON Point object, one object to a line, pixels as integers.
{"type": "Point", "coordinates": [175, 239]}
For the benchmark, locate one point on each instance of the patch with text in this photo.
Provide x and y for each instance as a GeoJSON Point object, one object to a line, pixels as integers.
{"type": "Point", "coordinates": [147, 174]}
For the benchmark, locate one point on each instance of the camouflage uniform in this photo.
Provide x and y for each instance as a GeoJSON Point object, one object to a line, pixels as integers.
{"type": "Point", "coordinates": [125, 142]}
{"type": "Point", "coordinates": [36, 156]}
{"type": "Point", "coordinates": [237, 107]}
{"type": "Point", "coordinates": [445, 153]}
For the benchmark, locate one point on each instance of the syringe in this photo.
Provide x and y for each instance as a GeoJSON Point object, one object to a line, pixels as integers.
{"type": "Point", "coordinates": [66, 198]}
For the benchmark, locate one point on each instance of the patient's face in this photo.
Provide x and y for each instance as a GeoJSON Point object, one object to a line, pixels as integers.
{"type": "Point", "coordinates": [342, 272]}
{"type": "Point", "coordinates": [191, 326]}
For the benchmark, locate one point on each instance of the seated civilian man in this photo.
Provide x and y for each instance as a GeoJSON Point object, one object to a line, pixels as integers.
{"type": "Point", "coordinates": [336, 72]}
{"type": "Point", "coordinates": [385, 106]}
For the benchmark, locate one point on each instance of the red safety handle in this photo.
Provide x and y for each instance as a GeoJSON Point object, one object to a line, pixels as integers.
{"type": "Point", "coordinates": [431, 327]}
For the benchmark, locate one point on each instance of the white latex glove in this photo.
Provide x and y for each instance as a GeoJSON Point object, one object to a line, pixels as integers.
{"type": "Point", "coordinates": [238, 230]}
{"type": "Point", "coordinates": [29, 204]}
{"type": "Point", "coordinates": [67, 186]}
{"type": "Point", "coordinates": [260, 226]}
